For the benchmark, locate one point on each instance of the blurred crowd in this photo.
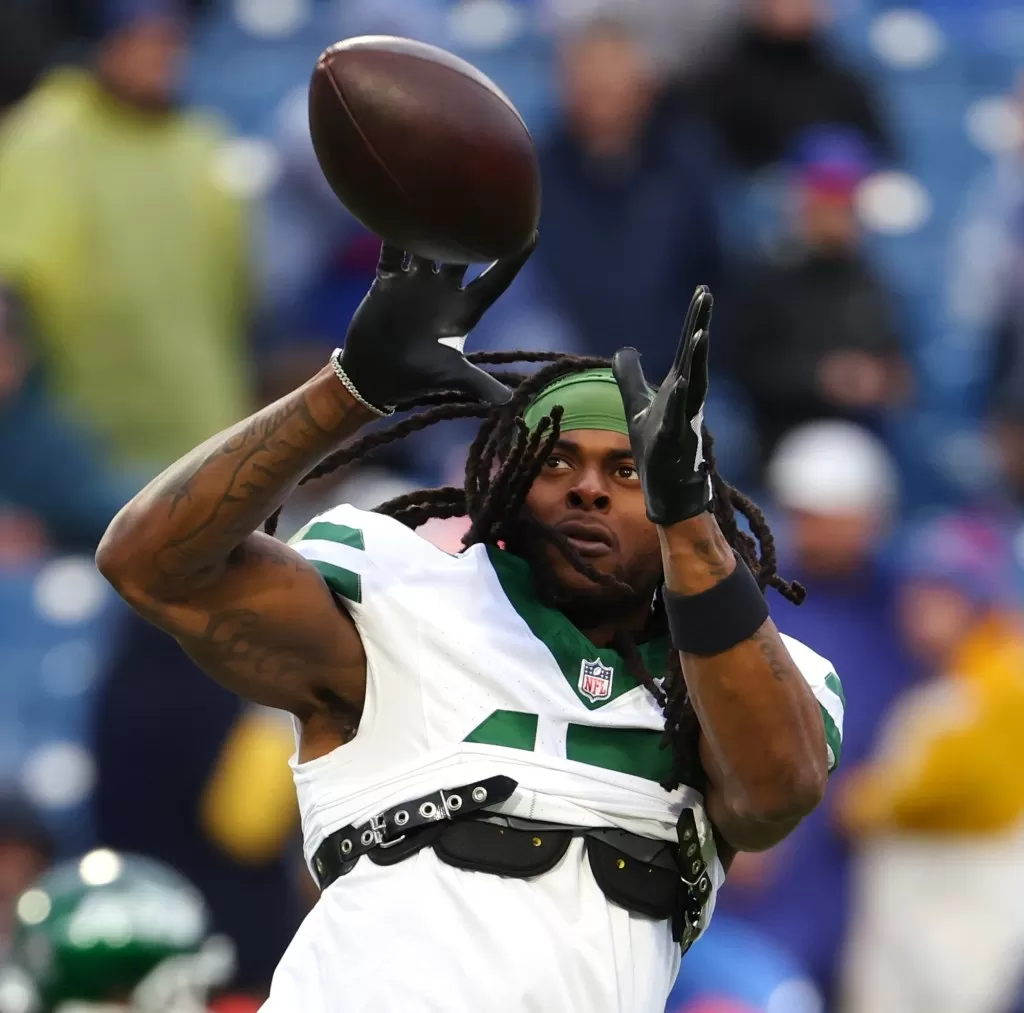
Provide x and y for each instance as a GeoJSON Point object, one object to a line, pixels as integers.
{"type": "Point", "coordinates": [171, 259]}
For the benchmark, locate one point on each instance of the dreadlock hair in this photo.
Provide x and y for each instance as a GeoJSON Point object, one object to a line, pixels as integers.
{"type": "Point", "coordinates": [501, 465]}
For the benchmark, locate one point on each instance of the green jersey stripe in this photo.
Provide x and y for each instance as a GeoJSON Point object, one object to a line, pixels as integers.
{"type": "Point", "coordinates": [833, 704]}
{"type": "Point", "coordinates": [635, 751]}
{"type": "Point", "coordinates": [568, 646]}
{"type": "Point", "coordinates": [347, 557]}
{"type": "Point", "coordinates": [347, 583]}
{"type": "Point", "coordinates": [514, 729]}
{"type": "Point", "coordinates": [326, 531]}
{"type": "Point", "coordinates": [833, 683]}
{"type": "Point", "coordinates": [833, 739]}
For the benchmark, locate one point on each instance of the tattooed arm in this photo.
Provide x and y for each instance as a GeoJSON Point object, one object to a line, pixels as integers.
{"type": "Point", "coordinates": [248, 609]}
{"type": "Point", "coordinates": [252, 613]}
{"type": "Point", "coordinates": [763, 739]}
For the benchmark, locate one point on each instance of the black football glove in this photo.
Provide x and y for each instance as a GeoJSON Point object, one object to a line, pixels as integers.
{"type": "Point", "coordinates": [405, 339]}
{"type": "Point", "coordinates": [665, 426]}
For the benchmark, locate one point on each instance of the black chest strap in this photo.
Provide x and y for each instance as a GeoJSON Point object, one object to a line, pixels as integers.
{"type": "Point", "coordinates": [405, 822]}
{"type": "Point", "coordinates": [659, 879]}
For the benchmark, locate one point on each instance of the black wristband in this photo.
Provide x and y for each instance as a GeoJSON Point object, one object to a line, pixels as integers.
{"type": "Point", "coordinates": [715, 620]}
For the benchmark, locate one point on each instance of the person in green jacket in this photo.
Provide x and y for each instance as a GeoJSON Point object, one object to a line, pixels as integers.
{"type": "Point", "coordinates": [125, 246]}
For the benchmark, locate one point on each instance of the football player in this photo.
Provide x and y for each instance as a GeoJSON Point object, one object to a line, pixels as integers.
{"type": "Point", "coordinates": [485, 802]}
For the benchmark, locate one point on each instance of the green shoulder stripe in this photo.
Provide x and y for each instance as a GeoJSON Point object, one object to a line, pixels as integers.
{"type": "Point", "coordinates": [340, 579]}
{"type": "Point", "coordinates": [326, 531]}
{"type": "Point", "coordinates": [347, 583]}
{"type": "Point", "coordinates": [833, 683]}
{"type": "Point", "coordinates": [832, 738]}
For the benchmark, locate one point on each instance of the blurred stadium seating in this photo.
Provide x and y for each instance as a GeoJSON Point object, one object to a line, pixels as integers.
{"type": "Point", "coordinates": [54, 634]}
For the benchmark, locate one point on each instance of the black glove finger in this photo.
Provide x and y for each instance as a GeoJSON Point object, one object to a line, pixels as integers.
{"type": "Point", "coordinates": [707, 304]}
{"type": "Point", "coordinates": [698, 311]}
{"type": "Point", "coordinates": [697, 387]}
{"type": "Point", "coordinates": [676, 412]}
{"type": "Point", "coordinates": [391, 261]}
{"type": "Point", "coordinates": [454, 273]}
{"type": "Point", "coordinates": [483, 291]}
{"type": "Point", "coordinates": [629, 375]}
{"type": "Point", "coordinates": [479, 384]}
{"type": "Point", "coordinates": [688, 324]}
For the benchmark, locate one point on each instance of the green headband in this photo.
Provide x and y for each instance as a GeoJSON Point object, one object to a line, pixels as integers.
{"type": "Point", "coordinates": [589, 400]}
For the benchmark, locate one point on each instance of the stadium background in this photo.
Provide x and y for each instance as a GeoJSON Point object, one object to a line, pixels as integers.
{"type": "Point", "coordinates": [899, 505]}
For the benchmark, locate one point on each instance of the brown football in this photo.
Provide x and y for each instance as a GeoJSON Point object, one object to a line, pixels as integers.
{"type": "Point", "coordinates": [424, 149]}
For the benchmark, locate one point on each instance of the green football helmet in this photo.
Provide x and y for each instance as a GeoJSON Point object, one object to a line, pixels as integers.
{"type": "Point", "coordinates": [112, 932]}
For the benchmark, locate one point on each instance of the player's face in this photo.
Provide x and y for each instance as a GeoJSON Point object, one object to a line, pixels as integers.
{"type": "Point", "coordinates": [589, 490]}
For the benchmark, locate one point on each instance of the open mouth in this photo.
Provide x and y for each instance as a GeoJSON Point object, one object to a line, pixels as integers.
{"type": "Point", "coordinates": [589, 540]}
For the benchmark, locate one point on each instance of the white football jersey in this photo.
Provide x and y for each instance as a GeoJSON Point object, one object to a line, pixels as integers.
{"type": "Point", "coordinates": [469, 675]}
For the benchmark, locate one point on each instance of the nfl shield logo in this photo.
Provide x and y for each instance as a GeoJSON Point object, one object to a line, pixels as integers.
{"type": "Point", "coordinates": [595, 680]}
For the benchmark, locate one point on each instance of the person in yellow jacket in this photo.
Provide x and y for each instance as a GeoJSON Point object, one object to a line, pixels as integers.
{"type": "Point", "coordinates": [124, 246]}
{"type": "Point", "coordinates": [938, 923]}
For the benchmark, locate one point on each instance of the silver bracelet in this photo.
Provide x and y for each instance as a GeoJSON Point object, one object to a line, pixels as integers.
{"type": "Point", "coordinates": [347, 383]}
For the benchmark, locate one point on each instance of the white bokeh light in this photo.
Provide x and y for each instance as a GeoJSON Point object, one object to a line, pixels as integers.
{"type": "Point", "coordinates": [795, 995]}
{"type": "Point", "coordinates": [17, 991]}
{"type": "Point", "coordinates": [99, 867]}
{"type": "Point", "coordinates": [994, 124]}
{"type": "Point", "coordinates": [247, 167]}
{"type": "Point", "coordinates": [58, 775]}
{"type": "Point", "coordinates": [272, 19]}
{"type": "Point", "coordinates": [893, 203]}
{"type": "Point", "coordinates": [485, 24]}
{"type": "Point", "coordinates": [69, 591]}
{"type": "Point", "coordinates": [906, 38]}
{"type": "Point", "coordinates": [34, 906]}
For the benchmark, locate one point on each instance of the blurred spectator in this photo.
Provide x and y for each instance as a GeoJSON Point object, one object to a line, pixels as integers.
{"type": "Point", "coordinates": [629, 225]}
{"type": "Point", "coordinates": [26, 851]}
{"type": "Point", "coordinates": [122, 245]}
{"type": "Point", "coordinates": [810, 329]}
{"type": "Point", "coordinates": [1006, 404]}
{"type": "Point", "coordinates": [681, 37]}
{"type": "Point", "coordinates": [48, 454]}
{"type": "Point", "coordinates": [779, 78]}
{"type": "Point", "coordinates": [982, 348]}
{"type": "Point", "coordinates": [986, 248]}
{"type": "Point", "coordinates": [836, 487]}
{"type": "Point", "coordinates": [942, 797]}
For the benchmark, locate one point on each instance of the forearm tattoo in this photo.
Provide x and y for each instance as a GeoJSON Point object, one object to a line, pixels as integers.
{"type": "Point", "coordinates": [213, 499]}
{"type": "Point", "coordinates": [774, 653]}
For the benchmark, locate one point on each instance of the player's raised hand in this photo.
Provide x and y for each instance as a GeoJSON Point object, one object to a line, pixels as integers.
{"type": "Point", "coordinates": [665, 425]}
{"type": "Point", "coordinates": [406, 338]}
